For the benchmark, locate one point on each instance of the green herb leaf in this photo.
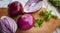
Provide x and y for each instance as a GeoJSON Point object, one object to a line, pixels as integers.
{"type": "Point", "coordinates": [47, 18]}
{"type": "Point", "coordinates": [36, 25]}
{"type": "Point", "coordinates": [54, 16]}
{"type": "Point", "coordinates": [41, 21]}
{"type": "Point", "coordinates": [43, 13]}
{"type": "Point", "coordinates": [38, 22]}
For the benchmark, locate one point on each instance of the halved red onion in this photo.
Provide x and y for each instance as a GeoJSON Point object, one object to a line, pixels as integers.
{"type": "Point", "coordinates": [26, 22]}
{"type": "Point", "coordinates": [33, 6]}
{"type": "Point", "coordinates": [7, 25]}
{"type": "Point", "coordinates": [4, 28]}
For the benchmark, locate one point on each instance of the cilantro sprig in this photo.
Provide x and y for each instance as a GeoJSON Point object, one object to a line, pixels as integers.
{"type": "Point", "coordinates": [47, 16]}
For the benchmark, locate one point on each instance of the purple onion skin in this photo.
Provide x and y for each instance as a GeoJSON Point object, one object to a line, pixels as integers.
{"type": "Point", "coordinates": [33, 6]}
{"type": "Point", "coordinates": [25, 22]}
{"type": "Point", "coordinates": [15, 8]}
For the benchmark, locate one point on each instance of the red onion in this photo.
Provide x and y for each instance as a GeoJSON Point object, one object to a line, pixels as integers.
{"type": "Point", "coordinates": [25, 22]}
{"type": "Point", "coordinates": [32, 6]}
{"type": "Point", "coordinates": [7, 25]}
{"type": "Point", "coordinates": [15, 8]}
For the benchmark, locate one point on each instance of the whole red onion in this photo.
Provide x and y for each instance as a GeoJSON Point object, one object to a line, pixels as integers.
{"type": "Point", "coordinates": [15, 8]}
{"type": "Point", "coordinates": [26, 22]}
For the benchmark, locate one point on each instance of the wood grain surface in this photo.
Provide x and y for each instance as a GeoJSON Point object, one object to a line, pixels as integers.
{"type": "Point", "coordinates": [47, 27]}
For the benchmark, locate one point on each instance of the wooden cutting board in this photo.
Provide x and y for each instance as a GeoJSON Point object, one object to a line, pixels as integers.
{"type": "Point", "coordinates": [47, 27]}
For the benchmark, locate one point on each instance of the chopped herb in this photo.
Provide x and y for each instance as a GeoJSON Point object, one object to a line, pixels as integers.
{"type": "Point", "coordinates": [54, 16]}
{"type": "Point", "coordinates": [43, 13]}
{"type": "Point", "coordinates": [39, 22]}
{"type": "Point", "coordinates": [49, 12]}
{"type": "Point", "coordinates": [47, 16]}
{"type": "Point", "coordinates": [36, 25]}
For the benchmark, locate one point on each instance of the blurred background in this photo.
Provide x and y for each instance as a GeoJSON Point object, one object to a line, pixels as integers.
{"type": "Point", "coordinates": [4, 3]}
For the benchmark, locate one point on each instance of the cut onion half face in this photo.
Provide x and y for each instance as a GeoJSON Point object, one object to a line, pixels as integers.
{"type": "Point", "coordinates": [9, 25]}
{"type": "Point", "coordinates": [33, 6]}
